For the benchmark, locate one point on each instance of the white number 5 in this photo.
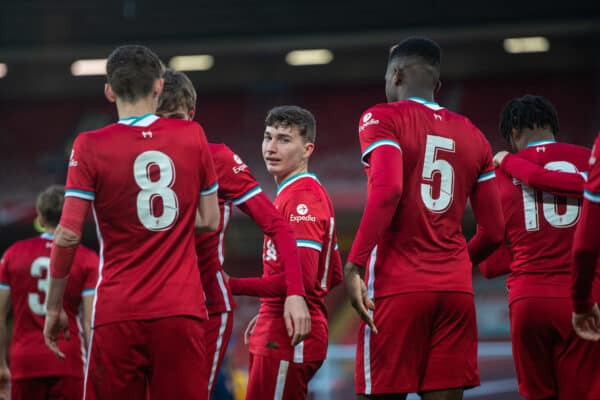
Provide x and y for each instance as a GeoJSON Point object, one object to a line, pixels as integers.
{"type": "Point", "coordinates": [151, 190]}
{"type": "Point", "coordinates": [431, 166]}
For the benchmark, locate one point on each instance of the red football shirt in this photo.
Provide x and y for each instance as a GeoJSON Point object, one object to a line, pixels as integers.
{"type": "Point", "coordinates": [306, 205]}
{"type": "Point", "coordinates": [444, 157]}
{"type": "Point", "coordinates": [144, 176]}
{"type": "Point", "coordinates": [586, 245]}
{"type": "Point", "coordinates": [236, 186]}
{"type": "Point", "coordinates": [24, 270]}
{"type": "Point", "coordinates": [540, 226]}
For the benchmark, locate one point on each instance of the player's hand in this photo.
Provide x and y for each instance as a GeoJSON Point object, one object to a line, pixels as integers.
{"type": "Point", "coordinates": [56, 323]}
{"type": "Point", "coordinates": [587, 325]}
{"type": "Point", "coordinates": [297, 318]}
{"type": "Point", "coordinates": [357, 291]}
{"type": "Point", "coordinates": [499, 157]}
{"type": "Point", "coordinates": [4, 381]}
{"type": "Point", "coordinates": [225, 275]}
{"type": "Point", "coordinates": [250, 330]}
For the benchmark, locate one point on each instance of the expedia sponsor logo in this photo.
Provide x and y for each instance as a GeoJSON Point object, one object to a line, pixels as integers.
{"type": "Point", "coordinates": [367, 120]}
{"type": "Point", "coordinates": [72, 161]}
{"type": "Point", "coordinates": [302, 218]}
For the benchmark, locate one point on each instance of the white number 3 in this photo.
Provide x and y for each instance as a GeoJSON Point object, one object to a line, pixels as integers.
{"type": "Point", "coordinates": [152, 190]}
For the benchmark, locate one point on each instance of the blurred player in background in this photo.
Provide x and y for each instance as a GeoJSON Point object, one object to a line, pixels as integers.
{"type": "Point", "coordinates": [146, 178]}
{"type": "Point", "coordinates": [423, 162]}
{"type": "Point", "coordinates": [278, 369]}
{"type": "Point", "coordinates": [237, 187]}
{"type": "Point", "coordinates": [35, 372]}
{"type": "Point", "coordinates": [550, 360]}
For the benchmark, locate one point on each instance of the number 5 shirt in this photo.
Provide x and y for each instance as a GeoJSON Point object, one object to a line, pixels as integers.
{"type": "Point", "coordinates": [24, 271]}
{"type": "Point", "coordinates": [444, 160]}
{"type": "Point", "coordinates": [144, 177]}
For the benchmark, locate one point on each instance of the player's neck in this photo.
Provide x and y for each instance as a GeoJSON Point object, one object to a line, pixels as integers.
{"type": "Point", "coordinates": [299, 170]}
{"type": "Point", "coordinates": [424, 94]}
{"type": "Point", "coordinates": [49, 231]}
{"type": "Point", "coordinates": [137, 109]}
{"type": "Point", "coordinates": [538, 135]}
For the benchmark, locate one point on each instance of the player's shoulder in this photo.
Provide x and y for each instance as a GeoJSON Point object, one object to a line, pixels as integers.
{"type": "Point", "coordinates": [23, 246]}
{"type": "Point", "coordinates": [222, 153]}
{"type": "Point", "coordinates": [306, 190]}
{"type": "Point", "coordinates": [86, 252]}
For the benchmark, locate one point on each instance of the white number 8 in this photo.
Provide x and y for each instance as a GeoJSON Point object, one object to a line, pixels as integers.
{"type": "Point", "coordinates": [153, 189]}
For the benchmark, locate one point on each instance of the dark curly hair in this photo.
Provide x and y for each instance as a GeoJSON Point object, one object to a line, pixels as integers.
{"type": "Point", "coordinates": [528, 112]}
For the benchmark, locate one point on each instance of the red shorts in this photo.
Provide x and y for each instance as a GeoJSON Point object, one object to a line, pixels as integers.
{"type": "Point", "coordinates": [217, 331]}
{"type": "Point", "coordinates": [271, 378]}
{"type": "Point", "coordinates": [156, 359]}
{"type": "Point", "coordinates": [52, 387]}
{"type": "Point", "coordinates": [550, 359]}
{"type": "Point", "coordinates": [426, 341]}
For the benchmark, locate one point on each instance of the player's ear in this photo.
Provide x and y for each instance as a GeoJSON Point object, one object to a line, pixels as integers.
{"type": "Point", "coordinates": [397, 76]}
{"type": "Point", "coordinates": [41, 221]}
{"type": "Point", "coordinates": [159, 84]}
{"type": "Point", "coordinates": [438, 86]}
{"type": "Point", "coordinates": [192, 113]}
{"type": "Point", "coordinates": [308, 149]}
{"type": "Point", "coordinates": [109, 94]}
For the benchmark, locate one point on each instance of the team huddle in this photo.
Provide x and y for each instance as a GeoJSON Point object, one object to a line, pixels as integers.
{"type": "Point", "coordinates": [156, 306]}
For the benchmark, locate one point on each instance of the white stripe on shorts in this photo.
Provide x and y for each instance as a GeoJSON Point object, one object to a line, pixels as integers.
{"type": "Point", "coordinates": [281, 376]}
{"type": "Point", "coordinates": [213, 370]}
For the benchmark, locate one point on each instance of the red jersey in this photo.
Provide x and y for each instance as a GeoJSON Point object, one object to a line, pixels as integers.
{"type": "Point", "coordinates": [586, 245]}
{"type": "Point", "coordinates": [540, 226]}
{"type": "Point", "coordinates": [236, 186]}
{"type": "Point", "coordinates": [307, 207]}
{"type": "Point", "coordinates": [444, 157]}
{"type": "Point", "coordinates": [24, 270]}
{"type": "Point", "coordinates": [144, 177]}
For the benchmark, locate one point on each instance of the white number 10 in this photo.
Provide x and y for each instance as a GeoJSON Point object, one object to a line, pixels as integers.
{"type": "Point", "coordinates": [153, 189]}
{"type": "Point", "coordinates": [431, 166]}
{"type": "Point", "coordinates": [550, 203]}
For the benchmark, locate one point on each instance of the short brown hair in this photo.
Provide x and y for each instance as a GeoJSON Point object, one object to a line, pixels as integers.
{"type": "Point", "coordinates": [289, 116]}
{"type": "Point", "coordinates": [50, 203]}
{"type": "Point", "coordinates": [178, 92]}
{"type": "Point", "coordinates": [131, 71]}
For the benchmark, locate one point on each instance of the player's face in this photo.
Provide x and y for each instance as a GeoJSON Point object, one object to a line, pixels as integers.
{"type": "Point", "coordinates": [285, 151]}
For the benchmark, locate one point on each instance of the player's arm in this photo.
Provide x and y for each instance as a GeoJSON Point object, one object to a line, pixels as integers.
{"type": "Point", "coordinates": [336, 264]}
{"type": "Point", "coordinates": [555, 182]}
{"type": "Point", "coordinates": [498, 263]}
{"type": "Point", "coordinates": [275, 285]}
{"type": "Point", "coordinates": [262, 211]}
{"type": "Point", "coordinates": [208, 215]}
{"type": "Point", "coordinates": [66, 239]}
{"type": "Point", "coordinates": [4, 310]}
{"type": "Point", "coordinates": [87, 305]}
{"type": "Point", "coordinates": [386, 176]}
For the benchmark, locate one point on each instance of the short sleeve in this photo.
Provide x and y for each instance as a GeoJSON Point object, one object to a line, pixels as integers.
{"type": "Point", "coordinates": [81, 175]}
{"type": "Point", "coordinates": [4, 275]}
{"type": "Point", "coordinates": [305, 216]}
{"type": "Point", "coordinates": [376, 128]}
{"type": "Point", "coordinates": [487, 171]}
{"type": "Point", "coordinates": [208, 176]}
{"type": "Point", "coordinates": [591, 190]}
{"type": "Point", "coordinates": [91, 264]}
{"type": "Point", "coordinates": [236, 183]}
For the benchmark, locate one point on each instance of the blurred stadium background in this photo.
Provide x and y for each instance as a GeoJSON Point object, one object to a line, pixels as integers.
{"type": "Point", "coordinates": [492, 51]}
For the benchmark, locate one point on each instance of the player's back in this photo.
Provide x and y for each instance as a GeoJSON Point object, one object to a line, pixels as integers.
{"type": "Point", "coordinates": [24, 271]}
{"type": "Point", "coordinates": [540, 226]}
{"type": "Point", "coordinates": [444, 156]}
{"type": "Point", "coordinates": [147, 179]}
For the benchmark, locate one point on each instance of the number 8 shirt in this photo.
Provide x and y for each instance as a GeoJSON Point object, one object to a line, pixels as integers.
{"type": "Point", "coordinates": [144, 177]}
